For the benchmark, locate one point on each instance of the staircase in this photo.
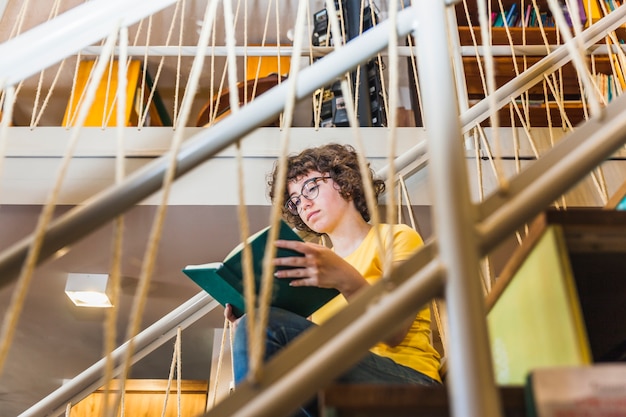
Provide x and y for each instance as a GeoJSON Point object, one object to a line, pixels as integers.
{"type": "Point", "coordinates": [446, 266]}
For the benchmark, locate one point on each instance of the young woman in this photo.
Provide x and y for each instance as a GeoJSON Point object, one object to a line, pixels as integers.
{"type": "Point", "coordinates": [325, 195]}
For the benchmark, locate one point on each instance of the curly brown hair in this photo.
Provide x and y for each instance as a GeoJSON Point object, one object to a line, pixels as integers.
{"type": "Point", "coordinates": [341, 163]}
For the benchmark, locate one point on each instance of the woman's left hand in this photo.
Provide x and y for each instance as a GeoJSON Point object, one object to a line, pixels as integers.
{"type": "Point", "coordinates": [319, 267]}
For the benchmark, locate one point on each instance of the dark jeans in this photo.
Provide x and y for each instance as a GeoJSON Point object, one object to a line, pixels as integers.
{"type": "Point", "coordinates": [284, 326]}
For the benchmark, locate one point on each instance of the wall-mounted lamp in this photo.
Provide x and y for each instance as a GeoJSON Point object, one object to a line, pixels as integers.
{"type": "Point", "coordinates": [88, 290]}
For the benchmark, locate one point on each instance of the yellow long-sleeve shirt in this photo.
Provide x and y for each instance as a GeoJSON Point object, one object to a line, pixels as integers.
{"type": "Point", "coordinates": [415, 351]}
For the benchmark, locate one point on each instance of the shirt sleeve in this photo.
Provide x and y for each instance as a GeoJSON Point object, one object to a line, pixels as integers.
{"type": "Point", "coordinates": [405, 241]}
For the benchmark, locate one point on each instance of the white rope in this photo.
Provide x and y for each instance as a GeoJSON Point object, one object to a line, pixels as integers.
{"type": "Point", "coordinates": [179, 371]}
{"type": "Point", "coordinates": [576, 52]}
{"type": "Point", "coordinates": [525, 61]}
{"type": "Point", "coordinates": [277, 17]}
{"type": "Point", "coordinates": [178, 63]}
{"type": "Point", "coordinates": [53, 12]}
{"type": "Point", "coordinates": [118, 231]}
{"type": "Point", "coordinates": [220, 360]}
{"type": "Point", "coordinates": [245, 52]}
{"type": "Point", "coordinates": [123, 403]}
{"type": "Point", "coordinates": [157, 227]}
{"type": "Point", "coordinates": [170, 377]}
{"type": "Point", "coordinates": [71, 119]}
{"type": "Point", "coordinates": [392, 122]}
{"type": "Point", "coordinates": [70, 111]}
{"type": "Point", "coordinates": [558, 99]}
{"type": "Point", "coordinates": [144, 112]}
{"type": "Point", "coordinates": [615, 68]}
{"type": "Point", "coordinates": [357, 91]}
{"type": "Point", "coordinates": [214, 116]}
{"type": "Point", "coordinates": [354, 127]}
{"type": "Point", "coordinates": [479, 165]}
{"type": "Point", "coordinates": [124, 71]}
{"type": "Point", "coordinates": [523, 97]}
{"type": "Point", "coordinates": [231, 334]}
{"type": "Point", "coordinates": [481, 195]}
{"type": "Point", "coordinates": [487, 148]}
{"type": "Point", "coordinates": [244, 224]}
{"type": "Point", "coordinates": [113, 105]}
{"type": "Point", "coordinates": [37, 115]}
{"type": "Point", "coordinates": [485, 28]}
{"type": "Point", "coordinates": [479, 62]}
{"type": "Point", "coordinates": [379, 58]}
{"type": "Point", "coordinates": [516, 144]}
{"type": "Point", "coordinates": [105, 116]}
{"type": "Point", "coordinates": [110, 336]}
{"type": "Point", "coordinates": [6, 117]}
{"type": "Point", "coordinates": [211, 98]}
{"type": "Point", "coordinates": [19, 20]}
{"type": "Point", "coordinates": [26, 274]}
{"type": "Point", "coordinates": [318, 97]}
{"type": "Point", "coordinates": [257, 352]}
{"type": "Point", "coordinates": [263, 40]}
{"type": "Point", "coordinates": [231, 58]}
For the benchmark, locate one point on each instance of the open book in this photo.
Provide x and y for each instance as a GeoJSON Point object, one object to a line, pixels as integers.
{"type": "Point", "coordinates": [224, 280]}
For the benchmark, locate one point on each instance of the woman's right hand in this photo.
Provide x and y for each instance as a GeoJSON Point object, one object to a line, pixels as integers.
{"type": "Point", "coordinates": [230, 316]}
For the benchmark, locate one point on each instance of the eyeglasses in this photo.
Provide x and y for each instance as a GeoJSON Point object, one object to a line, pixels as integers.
{"type": "Point", "coordinates": [310, 191]}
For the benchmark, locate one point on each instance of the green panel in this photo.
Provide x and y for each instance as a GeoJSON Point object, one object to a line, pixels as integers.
{"type": "Point", "coordinates": [537, 320]}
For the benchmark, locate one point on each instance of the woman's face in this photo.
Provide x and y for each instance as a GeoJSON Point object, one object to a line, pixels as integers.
{"type": "Point", "coordinates": [323, 209]}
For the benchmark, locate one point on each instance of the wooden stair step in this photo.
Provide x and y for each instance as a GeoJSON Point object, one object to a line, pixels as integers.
{"type": "Point", "coordinates": [365, 400]}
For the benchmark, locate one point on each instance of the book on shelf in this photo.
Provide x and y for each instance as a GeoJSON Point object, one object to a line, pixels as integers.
{"type": "Point", "coordinates": [592, 11]}
{"type": "Point", "coordinates": [516, 16]}
{"type": "Point", "coordinates": [225, 283]}
{"type": "Point", "coordinates": [511, 15]}
{"type": "Point", "coordinates": [577, 391]}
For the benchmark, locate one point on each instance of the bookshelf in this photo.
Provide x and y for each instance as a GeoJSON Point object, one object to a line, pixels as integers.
{"type": "Point", "coordinates": [504, 66]}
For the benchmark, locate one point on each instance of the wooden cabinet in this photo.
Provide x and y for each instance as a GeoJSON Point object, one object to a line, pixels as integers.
{"type": "Point", "coordinates": [146, 398]}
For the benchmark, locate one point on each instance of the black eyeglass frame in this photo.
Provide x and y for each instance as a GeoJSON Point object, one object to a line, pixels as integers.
{"type": "Point", "coordinates": [293, 203]}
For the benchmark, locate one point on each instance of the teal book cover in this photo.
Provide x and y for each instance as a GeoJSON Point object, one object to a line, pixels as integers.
{"type": "Point", "coordinates": [224, 280]}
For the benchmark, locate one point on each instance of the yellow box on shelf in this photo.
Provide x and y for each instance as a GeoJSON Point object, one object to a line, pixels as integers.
{"type": "Point", "coordinates": [267, 65]}
{"type": "Point", "coordinates": [103, 110]}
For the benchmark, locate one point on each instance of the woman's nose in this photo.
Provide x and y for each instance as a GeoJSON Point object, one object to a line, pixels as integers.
{"type": "Point", "coordinates": [306, 203]}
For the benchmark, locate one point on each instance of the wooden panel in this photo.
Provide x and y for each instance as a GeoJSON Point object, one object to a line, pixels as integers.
{"type": "Point", "coordinates": [537, 319]}
{"type": "Point", "coordinates": [538, 115]}
{"type": "Point", "coordinates": [596, 241]}
{"type": "Point", "coordinates": [147, 397]}
{"type": "Point", "coordinates": [519, 36]}
{"type": "Point", "coordinates": [504, 71]}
